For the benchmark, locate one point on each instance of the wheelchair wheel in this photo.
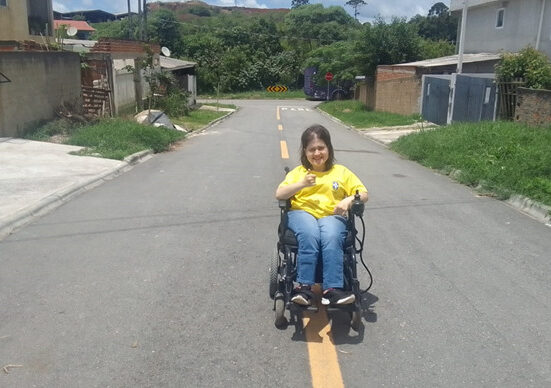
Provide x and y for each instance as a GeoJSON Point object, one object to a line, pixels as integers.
{"type": "Point", "coordinates": [356, 320]}
{"type": "Point", "coordinates": [274, 266]}
{"type": "Point", "coordinates": [280, 320]}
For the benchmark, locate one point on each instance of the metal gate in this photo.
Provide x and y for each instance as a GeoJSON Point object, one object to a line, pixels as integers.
{"type": "Point", "coordinates": [475, 99]}
{"type": "Point", "coordinates": [436, 94]}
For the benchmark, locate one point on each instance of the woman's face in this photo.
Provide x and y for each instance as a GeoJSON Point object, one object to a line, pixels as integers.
{"type": "Point", "coordinates": [317, 154]}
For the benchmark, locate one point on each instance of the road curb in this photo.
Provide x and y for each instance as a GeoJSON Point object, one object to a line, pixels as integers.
{"type": "Point", "coordinates": [212, 123]}
{"type": "Point", "coordinates": [533, 208]}
{"type": "Point", "coordinates": [52, 201]}
{"type": "Point", "coordinates": [351, 128]}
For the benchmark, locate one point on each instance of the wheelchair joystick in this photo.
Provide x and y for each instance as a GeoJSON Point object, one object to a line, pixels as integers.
{"type": "Point", "coordinates": [357, 207]}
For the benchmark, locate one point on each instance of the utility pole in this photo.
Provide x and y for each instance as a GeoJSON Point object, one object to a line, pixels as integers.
{"type": "Point", "coordinates": [140, 20]}
{"type": "Point", "coordinates": [129, 21]}
{"type": "Point", "coordinates": [145, 20]}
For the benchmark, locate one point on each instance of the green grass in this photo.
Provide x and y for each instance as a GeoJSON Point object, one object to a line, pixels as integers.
{"type": "Point", "coordinates": [118, 138]}
{"type": "Point", "coordinates": [256, 95]}
{"type": "Point", "coordinates": [198, 119]}
{"type": "Point", "coordinates": [499, 158]}
{"type": "Point", "coordinates": [354, 113]}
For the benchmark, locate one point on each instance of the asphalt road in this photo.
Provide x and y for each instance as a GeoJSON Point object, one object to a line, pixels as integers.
{"type": "Point", "coordinates": [159, 277]}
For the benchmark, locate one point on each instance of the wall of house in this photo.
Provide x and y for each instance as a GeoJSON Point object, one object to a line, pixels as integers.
{"type": "Point", "coordinates": [13, 21]}
{"type": "Point", "coordinates": [365, 92]}
{"type": "Point", "coordinates": [399, 95]}
{"type": "Point", "coordinates": [533, 107]}
{"type": "Point", "coordinates": [520, 28]}
{"type": "Point", "coordinates": [39, 83]}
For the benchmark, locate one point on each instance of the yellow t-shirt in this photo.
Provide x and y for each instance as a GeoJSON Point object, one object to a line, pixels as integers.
{"type": "Point", "coordinates": [331, 187]}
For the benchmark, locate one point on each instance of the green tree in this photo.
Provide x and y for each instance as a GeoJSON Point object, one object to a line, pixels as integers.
{"type": "Point", "coordinates": [164, 28]}
{"type": "Point", "coordinates": [438, 25]}
{"type": "Point", "coordinates": [355, 4]}
{"type": "Point", "coordinates": [339, 58]}
{"type": "Point", "coordinates": [311, 26]}
{"type": "Point", "coordinates": [387, 44]}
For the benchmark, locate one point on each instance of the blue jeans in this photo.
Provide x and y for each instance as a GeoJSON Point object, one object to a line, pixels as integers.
{"type": "Point", "coordinates": [323, 238]}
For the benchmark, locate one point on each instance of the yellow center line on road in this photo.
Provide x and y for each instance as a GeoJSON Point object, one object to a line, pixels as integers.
{"type": "Point", "coordinates": [280, 127]}
{"type": "Point", "coordinates": [278, 116]}
{"type": "Point", "coordinates": [324, 362]}
{"type": "Point", "coordinates": [284, 150]}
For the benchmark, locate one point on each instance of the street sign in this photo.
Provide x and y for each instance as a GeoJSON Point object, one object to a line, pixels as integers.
{"type": "Point", "coordinates": [277, 88]}
{"type": "Point", "coordinates": [328, 76]}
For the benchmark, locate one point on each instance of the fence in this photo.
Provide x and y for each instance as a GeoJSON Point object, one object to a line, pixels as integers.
{"type": "Point", "coordinates": [508, 97]}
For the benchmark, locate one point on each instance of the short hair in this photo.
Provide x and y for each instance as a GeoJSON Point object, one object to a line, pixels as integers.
{"type": "Point", "coordinates": [320, 132]}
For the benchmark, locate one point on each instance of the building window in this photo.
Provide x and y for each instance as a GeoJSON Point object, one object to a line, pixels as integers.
{"type": "Point", "coordinates": [3, 3]}
{"type": "Point", "coordinates": [500, 19]}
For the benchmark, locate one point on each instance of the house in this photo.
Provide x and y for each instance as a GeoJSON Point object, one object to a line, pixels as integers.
{"type": "Point", "coordinates": [184, 73]}
{"type": "Point", "coordinates": [398, 88]}
{"type": "Point", "coordinates": [497, 26]}
{"type": "Point", "coordinates": [84, 30]}
{"type": "Point", "coordinates": [24, 20]}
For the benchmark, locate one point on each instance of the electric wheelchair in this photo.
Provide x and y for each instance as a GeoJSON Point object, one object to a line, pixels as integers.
{"type": "Point", "coordinates": [283, 270]}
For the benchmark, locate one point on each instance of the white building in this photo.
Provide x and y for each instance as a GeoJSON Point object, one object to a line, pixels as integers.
{"type": "Point", "coordinates": [497, 26]}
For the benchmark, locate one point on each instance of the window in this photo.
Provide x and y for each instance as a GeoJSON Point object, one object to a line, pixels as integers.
{"type": "Point", "coordinates": [500, 18]}
{"type": "Point", "coordinates": [3, 3]}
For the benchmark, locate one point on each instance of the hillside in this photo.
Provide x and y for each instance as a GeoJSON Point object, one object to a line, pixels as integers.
{"type": "Point", "coordinates": [193, 10]}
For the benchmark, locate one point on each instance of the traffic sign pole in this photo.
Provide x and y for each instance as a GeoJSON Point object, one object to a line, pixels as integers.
{"type": "Point", "coordinates": [328, 77]}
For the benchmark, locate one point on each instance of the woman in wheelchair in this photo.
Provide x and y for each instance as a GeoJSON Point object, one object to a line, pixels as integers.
{"type": "Point", "coordinates": [321, 193]}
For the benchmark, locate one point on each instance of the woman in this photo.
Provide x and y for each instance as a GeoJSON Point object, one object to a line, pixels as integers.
{"type": "Point", "coordinates": [321, 193]}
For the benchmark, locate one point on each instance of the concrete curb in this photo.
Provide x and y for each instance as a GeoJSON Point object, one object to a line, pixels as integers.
{"type": "Point", "coordinates": [534, 209]}
{"type": "Point", "coordinates": [52, 201]}
{"type": "Point", "coordinates": [211, 124]}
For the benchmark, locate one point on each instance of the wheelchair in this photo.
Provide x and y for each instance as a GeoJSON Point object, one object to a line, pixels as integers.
{"type": "Point", "coordinates": [283, 270]}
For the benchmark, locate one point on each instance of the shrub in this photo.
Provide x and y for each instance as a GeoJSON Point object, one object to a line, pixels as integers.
{"type": "Point", "coordinates": [529, 64]}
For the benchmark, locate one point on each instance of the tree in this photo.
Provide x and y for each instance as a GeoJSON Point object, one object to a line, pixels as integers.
{"type": "Point", "coordinates": [165, 29]}
{"type": "Point", "coordinates": [355, 4]}
{"type": "Point", "coordinates": [438, 9]}
{"type": "Point", "coordinates": [298, 3]}
{"type": "Point", "coordinates": [387, 44]}
{"type": "Point", "coordinates": [530, 64]}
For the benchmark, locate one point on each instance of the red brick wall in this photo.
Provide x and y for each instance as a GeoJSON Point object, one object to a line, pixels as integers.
{"type": "Point", "coordinates": [398, 93]}
{"type": "Point", "coordinates": [533, 107]}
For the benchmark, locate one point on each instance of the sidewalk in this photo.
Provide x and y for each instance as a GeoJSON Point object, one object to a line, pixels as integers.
{"type": "Point", "coordinates": [36, 177]}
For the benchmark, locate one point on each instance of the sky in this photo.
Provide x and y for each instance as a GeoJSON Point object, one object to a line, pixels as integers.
{"type": "Point", "coordinates": [383, 8]}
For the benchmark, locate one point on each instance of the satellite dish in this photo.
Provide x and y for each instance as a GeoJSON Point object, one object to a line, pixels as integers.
{"type": "Point", "coordinates": [165, 51]}
{"type": "Point", "coordinates": [72, 31]}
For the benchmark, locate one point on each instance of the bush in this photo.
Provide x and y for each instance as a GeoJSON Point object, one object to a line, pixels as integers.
{"type": "Point", "coordinates": [529, 64]}
{"type": "Point", "coordinates": [174, 104]}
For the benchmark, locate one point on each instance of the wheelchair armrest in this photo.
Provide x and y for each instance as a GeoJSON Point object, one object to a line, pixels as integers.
{"type": "Point", "coordinates": [284, 204]}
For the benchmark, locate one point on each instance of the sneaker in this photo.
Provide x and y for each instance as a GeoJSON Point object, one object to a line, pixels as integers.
{"type": "Point", "coordinates": [337, 296]}
{"type": "Point", "coordinates": [303, 295]}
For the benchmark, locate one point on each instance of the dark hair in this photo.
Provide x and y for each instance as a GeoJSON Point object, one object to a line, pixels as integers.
{"type": "Point", "coordinates": [310, 134]}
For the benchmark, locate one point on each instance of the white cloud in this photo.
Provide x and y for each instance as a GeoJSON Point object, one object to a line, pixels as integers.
{"type": "Point", "coordinates": [59, 7]}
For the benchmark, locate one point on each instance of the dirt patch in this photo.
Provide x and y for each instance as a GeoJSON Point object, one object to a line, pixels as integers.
{"type": "Point", "coordinates": [346, 110]}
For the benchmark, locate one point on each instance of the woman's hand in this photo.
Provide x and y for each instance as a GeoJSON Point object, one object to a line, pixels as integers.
{"type": "Point", "coordinates": [309, 179]}
{"type": "Point", "coordinates": [342, 207]}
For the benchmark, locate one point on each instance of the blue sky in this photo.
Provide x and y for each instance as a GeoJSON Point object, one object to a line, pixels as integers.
{"type": "Point", "coordinates": [384, 8]}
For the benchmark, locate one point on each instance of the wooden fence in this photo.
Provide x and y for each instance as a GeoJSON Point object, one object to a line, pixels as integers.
{"type": "Point", "coordinates": [507, 94]}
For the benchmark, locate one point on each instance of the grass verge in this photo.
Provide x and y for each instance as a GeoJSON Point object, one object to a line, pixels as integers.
{"type": "Point", "coordinates": [354, 113]}
{"type": "Point", "coordinates": [118, 138]}
{"type": "Point", "coordinates": [256, 95]}
{"type": "Point", "coordinates": [197, 119]}
{"type": "Point", "coordinates": [499, 158]}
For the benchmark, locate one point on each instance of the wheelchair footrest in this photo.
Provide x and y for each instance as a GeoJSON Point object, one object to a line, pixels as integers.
{"type": "Point", "coordinates": [343, 307]}
{"type": "Point", "coordinates": [297, 307]}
